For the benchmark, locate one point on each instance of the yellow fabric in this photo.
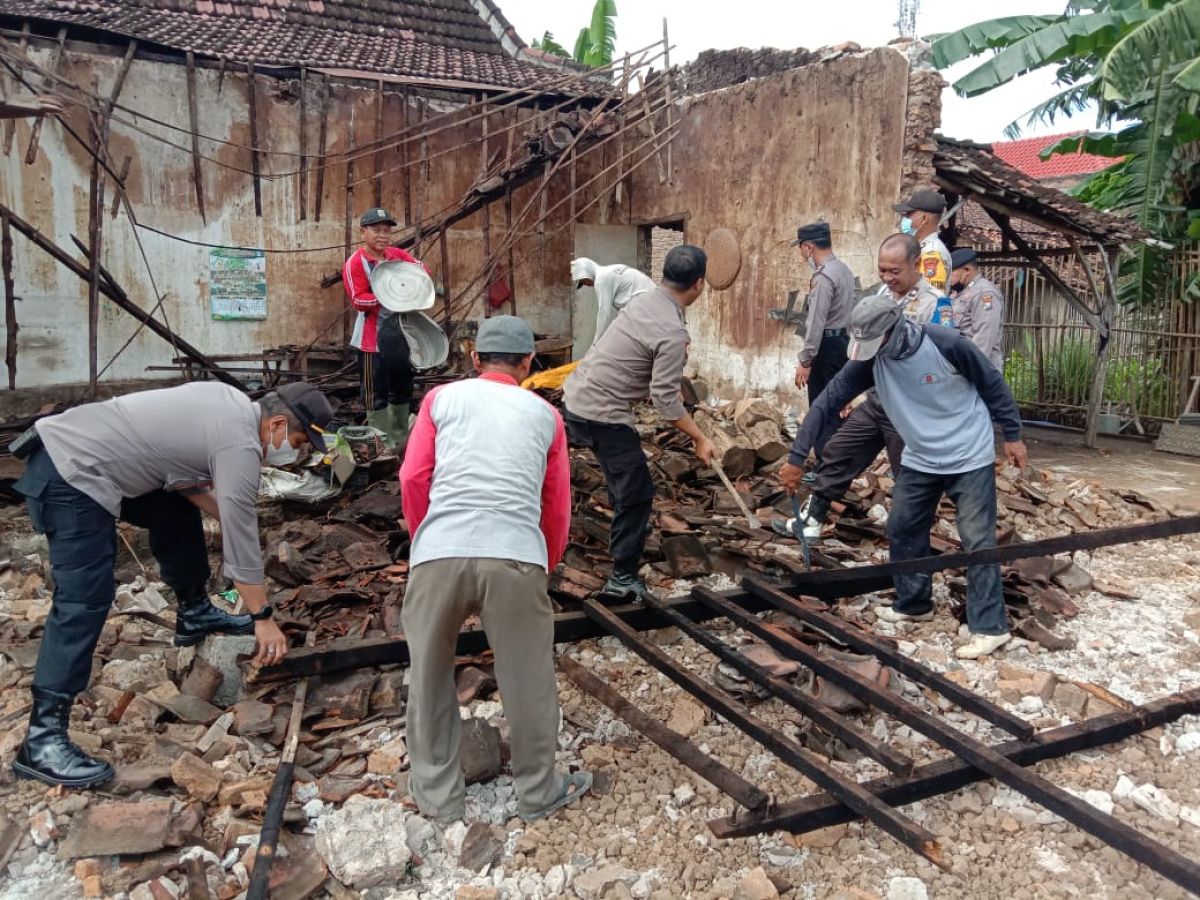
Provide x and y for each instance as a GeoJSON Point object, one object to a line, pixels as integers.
{"type": "Point", "coordinates": [550, 379]}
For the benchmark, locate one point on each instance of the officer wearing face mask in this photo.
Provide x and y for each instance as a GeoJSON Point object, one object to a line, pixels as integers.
{"type": "Point", "coordinates": [156, 459]}
{"type": "Point", "coordinates": [921, 217]}
{"type": "Point", "coordinates": [827, 310]}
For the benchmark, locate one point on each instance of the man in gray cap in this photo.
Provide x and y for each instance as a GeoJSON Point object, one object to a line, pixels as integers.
{"type": "Point", "coordinates": [978, 307]}
{"type": "Point", "coordinates": [921, 217]}
{"type": "Point", "coordinates": [941, 395]}
{"type": "Point", "coordinates": [156, 459]}
{"type": "Point", "coordinates": [827, 310]}
{"type": "Point", "coordinates": [486, 489]}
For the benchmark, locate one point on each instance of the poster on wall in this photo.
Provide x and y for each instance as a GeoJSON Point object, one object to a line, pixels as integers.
{"type": "Point", "coordinates": [237, 284]}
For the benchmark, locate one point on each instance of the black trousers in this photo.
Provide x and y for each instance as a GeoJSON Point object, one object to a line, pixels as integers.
{"type": "Point", "coordinates": [388, 378]}
{"type": "Point", "coordinates": [618, 449]}
{"type": "Point", "coordinates": [83, 548]}
{"type": "Point", "coordinates": [854, 446]}
{"type": "Point", "coordinates": [830, 358]}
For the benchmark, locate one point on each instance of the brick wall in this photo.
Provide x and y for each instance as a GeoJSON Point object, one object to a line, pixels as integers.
{"type": "Point", "coordinates": [923, 115]}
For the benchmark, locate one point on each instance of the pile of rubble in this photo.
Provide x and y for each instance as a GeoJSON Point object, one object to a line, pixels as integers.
{"type": "Point", "coordinates": [197, 747]}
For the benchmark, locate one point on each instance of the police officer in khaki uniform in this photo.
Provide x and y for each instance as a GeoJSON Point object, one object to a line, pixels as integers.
{"type": "Point", "coordinates": [978, 307]}
{"type": "Point", "coordinates": [827, 310]}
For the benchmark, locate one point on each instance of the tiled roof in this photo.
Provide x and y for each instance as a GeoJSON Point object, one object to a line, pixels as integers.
{"type": "Point", "coordinates": [973, 171]}
{"type": "Point", "coordinates": [1025, 155]}
{"type": "Point", "coordinates": [438, 40]}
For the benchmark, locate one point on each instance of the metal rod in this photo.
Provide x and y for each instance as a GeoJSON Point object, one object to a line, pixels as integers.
{"type": "Point", "coordinates": [863, 642]}
{"type": "Point", "coordinates": [822, 810]}
{"type": "Point", "coordinates": [821, 715]}
{"type": "Point", "coordinates": [711, 770]}
{"type": "Point", "coordinates": [809, 764]}
{"type": "Point", "coordinates": [1078, 812]}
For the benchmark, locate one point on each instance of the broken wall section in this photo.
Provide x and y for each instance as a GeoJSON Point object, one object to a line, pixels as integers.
{"type": "Point", "coordinates": [760, 158]}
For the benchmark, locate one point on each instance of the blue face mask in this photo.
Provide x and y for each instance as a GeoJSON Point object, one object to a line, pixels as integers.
{"type": "Point", "coordinates": [906, 226]}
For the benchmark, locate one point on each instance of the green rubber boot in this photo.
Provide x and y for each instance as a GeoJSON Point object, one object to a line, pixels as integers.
{"type": "Point", "coordinates": [380, 420]}
{"type": "Point", "coordinates": [397, 425]}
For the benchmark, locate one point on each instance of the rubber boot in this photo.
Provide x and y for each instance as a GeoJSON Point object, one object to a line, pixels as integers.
{"type": "Point", "coordinates": [380, 420]}
{"type": "Point", "coordinates": [397, 425]}
{"type": "Point", "coordinates": [47, 753]}
{"type": "Point", "coordinates": [197, 618]}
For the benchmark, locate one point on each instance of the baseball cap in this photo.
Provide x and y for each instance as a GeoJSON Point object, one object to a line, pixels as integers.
{"type": "Point", "coordinates": [814, 231]}
{"type": "Point", "coordinates": [310, 406]}
{"type": "Point", "coordinates": [961, 256]}
{"type": "Point", "coordinates": [375, 216]}
{"type": "Point", "coordinates": [870, 322]}
{"type": "Point", "coordinates": [504, 334]}
{"type": "Point", "coordinates": [925, 201]}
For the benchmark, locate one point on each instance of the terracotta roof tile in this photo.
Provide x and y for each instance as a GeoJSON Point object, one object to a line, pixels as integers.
{"type": "Point", "coordinates": [1025, 155]}
{"type": "Point", "coordinates": [440, 40]}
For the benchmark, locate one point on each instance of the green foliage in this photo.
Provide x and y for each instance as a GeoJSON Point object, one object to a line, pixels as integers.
{"type": "Point", "coordinates": [597, 41]}
{"type": "Point", "coordinates": [550, 45]}
{"type": "Point", "coordinates": [1020, 371]}
{"type": "Point", "coordinates": [1139, 384]}
{"type": "Point", "coordinates": [1170, 37]}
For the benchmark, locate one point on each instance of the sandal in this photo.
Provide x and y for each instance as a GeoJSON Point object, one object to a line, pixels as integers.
{"type": "Point", "coordinates": [575, 786]}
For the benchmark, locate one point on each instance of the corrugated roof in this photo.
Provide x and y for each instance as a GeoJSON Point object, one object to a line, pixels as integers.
{"type": "Point", "coordinates": [974, 172]}
{"type": "Point", "coordinates": [439, 40]}
{"type": "Point", "coordinates": [1025, 155]}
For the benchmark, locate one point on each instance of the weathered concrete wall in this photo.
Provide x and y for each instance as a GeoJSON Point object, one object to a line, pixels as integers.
{"type": "Point", "coordinates": [760, 158]}
{"type": "Point", "coordinates": [53, 195]}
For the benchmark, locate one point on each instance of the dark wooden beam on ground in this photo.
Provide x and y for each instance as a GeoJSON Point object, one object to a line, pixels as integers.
{"type": "Point", "coordinates": [671, 742]}
{"type": "Point", "coordinates": [903, 829]}
{"type": "Point", "coordinates": [822, 810]}
{"type": "Point", "coordinates": [1117, 834]}
{"type": "Point", "coordinates": [10, 301]}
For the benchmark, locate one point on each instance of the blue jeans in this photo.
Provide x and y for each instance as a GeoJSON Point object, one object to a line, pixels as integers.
{"type": "Point", "coordinates": [83, 548]}
{"type": "Point", "coordinates": [914, 505]}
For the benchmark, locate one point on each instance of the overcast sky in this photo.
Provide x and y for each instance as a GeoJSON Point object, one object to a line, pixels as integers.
{"type": "Point", "coordinates": [697, 25]}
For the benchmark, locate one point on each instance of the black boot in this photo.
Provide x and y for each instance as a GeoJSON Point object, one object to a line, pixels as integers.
{"type": "Point", "coordinates": [48, 754]}
{"type": "Point", "coordinates": [625, 584]}
{"type": "Point", "coordinates": [197, 618]}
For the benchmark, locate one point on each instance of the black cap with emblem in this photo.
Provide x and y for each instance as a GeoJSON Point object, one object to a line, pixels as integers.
{"type": "Point", "coordinates": [814, 231]}
{"type": "Point", "coordinates": [376, 216]}
{"type": "Point", "coordinates": [961, 257]}
{"type": "Point", "coordinates": [310, 406]}
{"type": "Point", "coordinates": [923, 201]}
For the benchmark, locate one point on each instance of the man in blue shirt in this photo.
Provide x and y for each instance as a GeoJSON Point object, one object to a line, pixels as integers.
{"type": "Point", "coordinates": [941, 394]}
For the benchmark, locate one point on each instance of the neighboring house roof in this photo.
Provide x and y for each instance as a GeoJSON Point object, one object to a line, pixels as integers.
{"type": "Point", "coordinates": [973, 171]}
{"type": "Point", "coordinates": [1026, 156]}
{"type": "Point", "coordinates": [462, 42]}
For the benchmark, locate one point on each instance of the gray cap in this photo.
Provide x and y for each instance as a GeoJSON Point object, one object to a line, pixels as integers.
{"type": "Point", "coordinates": [504, 334]}
{"type": "Point", "coordinates": [870, 322]}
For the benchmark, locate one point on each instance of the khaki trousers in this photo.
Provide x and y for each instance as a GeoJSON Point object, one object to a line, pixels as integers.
{"type": "Point", "coordinates": [510, 599]}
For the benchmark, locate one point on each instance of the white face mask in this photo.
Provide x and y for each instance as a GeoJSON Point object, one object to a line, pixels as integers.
{"type": "Point", "coordinates": [283, 455]}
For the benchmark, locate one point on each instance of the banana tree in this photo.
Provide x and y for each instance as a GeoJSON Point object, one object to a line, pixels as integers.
{"type": "Point", "coordinates": [596, 43]}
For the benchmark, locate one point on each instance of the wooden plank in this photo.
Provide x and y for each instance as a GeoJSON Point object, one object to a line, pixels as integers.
{"type": "Point", "coordinates": [322, 137]}
{"type": "Point", "coordinates": [10, 125]}
{"type": "Point", "coordinates": [1138, 846]}
{"type": "Point", "coordinates": [809, 764]}
{"type": "Point", "coordinates": [405, 159]}
{"type": "Point", "coordinates": [822, 810]}
{"type": "Point", "coordinates": [256, 174]}
{"type": "Point", "coordinates": [378, 154]}
{"type": "Point", "coordinates": [119, 187]}
{"type": "Point", "coordinates": [671, 742]}
{"type": "Point", "coordinates": [863, 642]}
{"type": "Point", "coordinates": [303, 177]}
{"type": "Point", "coordinates": [35, 135]}
{"type": "Point", "coordinates": [10, 301]}
{"type": "Point", "coordinates": [194, 124]}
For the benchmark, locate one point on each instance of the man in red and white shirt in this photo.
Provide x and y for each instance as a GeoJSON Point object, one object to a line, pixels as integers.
{"type": "Point", "coordinates": [387, 372]}
{"type": "Point", "coordinates": [486, 489]}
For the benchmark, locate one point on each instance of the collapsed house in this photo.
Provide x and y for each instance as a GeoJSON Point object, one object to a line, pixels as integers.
{"type": "Point", "coordinates": [224, 169]}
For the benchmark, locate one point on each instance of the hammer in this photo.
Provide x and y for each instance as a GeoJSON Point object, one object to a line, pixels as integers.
{"type": "Point", "coordinates": [751, 519]}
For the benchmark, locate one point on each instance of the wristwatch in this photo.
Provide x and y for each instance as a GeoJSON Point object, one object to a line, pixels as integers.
{"type": "Point", "coordinates": [263, 614]}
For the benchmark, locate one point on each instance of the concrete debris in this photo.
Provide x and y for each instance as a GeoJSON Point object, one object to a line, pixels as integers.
{"type": "Point", "coordinates": [115, 829]}
{"type": "Point", "coordinates": [481, 754]}
{"type": "Point", "coordinates": [595, 883]}
{"type": "Point", "coordinates": [364, 843]}
{"type": "Point", "coordinates": [756, 886]}
{"type": "Point", "coordinates": [907, 888]}
{"type": "Point", "coordinates": [480, 847]}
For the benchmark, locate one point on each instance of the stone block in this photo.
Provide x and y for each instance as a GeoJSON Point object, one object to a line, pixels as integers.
{"type": "Point", "coordinates": [480, 751]}
{"type": "Point", "coordinates": [221, 651]}
{"type": "Point", "coordinates": [364, 843]}
{"type": "Point", "coordinates": [200, 779]}
{"type": "Point", "coordinates": [115, 829]}
{"type": "Point", "coordinates": [480, 847]}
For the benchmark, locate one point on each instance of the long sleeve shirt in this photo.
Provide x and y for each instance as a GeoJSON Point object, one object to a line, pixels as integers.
{"type": "Point", "coordinates": [641, 355]}
{"type": "Point", "coordinates": [941, 395]}
{"type": "Point", "coordinates": [356, 279]}
{"type": "Point", "coordinates": [486, 475]}
{"type": "Point", "coordinates": [979, 315]}
{"type": "Point", "coordinates": [830, 300]}
{"type": "Point", "coordinates": [615, 286]}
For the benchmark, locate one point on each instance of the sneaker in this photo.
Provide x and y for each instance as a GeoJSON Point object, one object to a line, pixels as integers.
{"type": "Point", "coordinates": [625, 587]}
{"type": "Point", "coordinates": [982, 645]}
{"type": "Point", "coordinates": [787, 528]}
{"type": "Point", "coordinates": [887, 614]}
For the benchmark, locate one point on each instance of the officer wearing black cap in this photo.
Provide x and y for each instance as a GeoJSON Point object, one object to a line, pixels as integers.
{"type": "Point", "coordinates": [156, 459]}
{"type": "Point", "coordinates": [921, 216]}
{"type": "Point", "coordinates": [830, 299]}
{"type": "Point", "coordinates": [978, 307]}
